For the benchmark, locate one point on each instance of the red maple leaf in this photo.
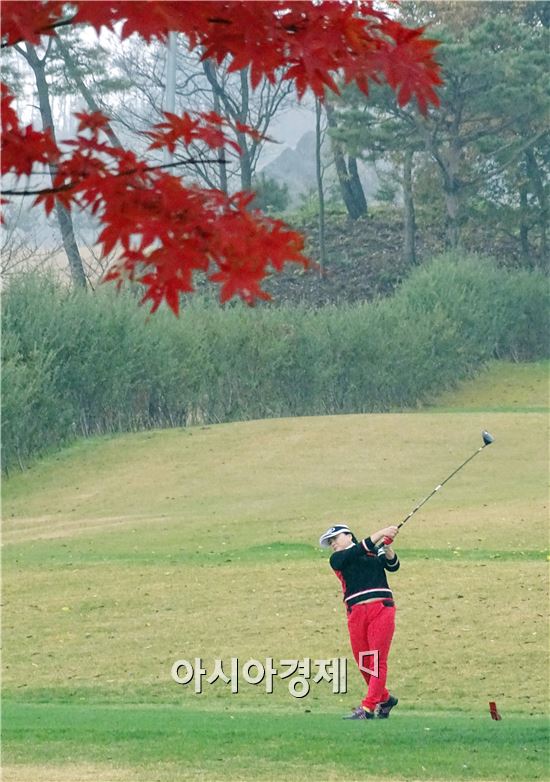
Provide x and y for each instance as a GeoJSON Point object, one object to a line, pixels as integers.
{"type": "Point", "coordinates": [27, 21]}
{"type": "Point", "coordinates": [22, 148]}
{"type": "Point", "coordinates": [187, 129]}
{"type": "Point", "coordinates": [94, 121]}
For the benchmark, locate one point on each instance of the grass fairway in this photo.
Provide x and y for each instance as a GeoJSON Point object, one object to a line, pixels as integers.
{"type": "Point", "coordinates": [502, 387]}
{"type": "Point", "coordinates": [169, 743]}
{"type": "Point", "coordinates": [123, 555]}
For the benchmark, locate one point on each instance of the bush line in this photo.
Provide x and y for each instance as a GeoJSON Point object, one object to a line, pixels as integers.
{"type": "Point", "coordinates": [78, 364]}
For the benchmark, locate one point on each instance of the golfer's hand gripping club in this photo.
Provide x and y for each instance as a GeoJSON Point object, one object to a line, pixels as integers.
{"type": "Point", "coordinates": [387, 536]}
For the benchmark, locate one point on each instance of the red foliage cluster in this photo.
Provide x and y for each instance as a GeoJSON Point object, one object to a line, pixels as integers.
{"type": "Point", "coordinates": [205, 127]}
{"type": "Point", "coordinates": [22, 148]}
{"type": "Point", "coordinates": [168, 230]}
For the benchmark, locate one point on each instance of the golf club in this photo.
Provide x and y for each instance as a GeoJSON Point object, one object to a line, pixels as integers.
{"type": "Point", "coordinates": [487, 440]}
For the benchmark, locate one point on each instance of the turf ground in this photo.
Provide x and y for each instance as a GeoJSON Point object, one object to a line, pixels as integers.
{"type": "Point", "coordinates": [123, 555]}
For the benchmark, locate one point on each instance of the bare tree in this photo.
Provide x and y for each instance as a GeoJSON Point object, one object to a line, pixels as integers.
{"type": "Point", "coordinates": [74, 72]}
{"type": "Point", "coordinates": [256, 109]}
{"type": "Point", "coordinates": [38, 66]}
{"type": "Point", "coordinates": [22, 249]}
{"type": "Point", "coordinates": [201, 87]}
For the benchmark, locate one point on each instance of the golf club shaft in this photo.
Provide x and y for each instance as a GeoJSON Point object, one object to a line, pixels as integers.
{"type": "Point", "coordinates": [439, 486]}
{"type": "Point", "coordinates": [387, 540]}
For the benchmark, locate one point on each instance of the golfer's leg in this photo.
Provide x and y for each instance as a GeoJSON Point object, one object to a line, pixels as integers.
{"type": "Point", "coordinates": [358, 635]}
{"type": "Point", "coordinates": [380, 627]}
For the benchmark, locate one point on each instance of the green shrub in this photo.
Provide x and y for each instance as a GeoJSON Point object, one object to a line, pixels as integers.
{"type": "Point", "coordinates": [501, 314]}
{"type": "Point", "coordinates": [32, 413]}
{"type": "Point", "coordinates": [271, 196]}
{"type": "Point", "coordinates": [81, 364]}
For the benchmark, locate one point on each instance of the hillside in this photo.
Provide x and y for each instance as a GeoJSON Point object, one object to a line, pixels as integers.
{"type": "Point", "coordinates": [501, 386]}
{"type": "Point", "coordinates": [365, 258]}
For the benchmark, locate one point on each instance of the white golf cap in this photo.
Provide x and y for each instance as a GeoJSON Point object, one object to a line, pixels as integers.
{"type": "Point", "coordinates": [331, 532]}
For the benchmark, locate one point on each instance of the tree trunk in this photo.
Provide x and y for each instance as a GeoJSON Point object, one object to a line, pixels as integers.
{"type": "Point", "coordinates": [72, 69]}
{"type": "Point", "coordinates": [448, 161]}
{"type": "Point", "coordinates": [523, 224]}
{"type": "Point", "coordinates": [319, 174]}
{"type": "Point", "coordinates": [208, 68]}
{"type": "Point", "coordinates": [533, 172]}
{"type": "Point", "coordinates": [352, 194]}
{"type": "Point", "coordinates": [357, 187]}
{"type": "Point", "coordinates": [451, 193]}
{"type": "Point", "coordinates": [242, 140]}
{"type": "Point", "coordinates": [63, 215]}
{"type": "Point", "coordinates": [409, 216]}
{"type": "Point", "coordinates": [170, 87]}
{"type": "Point", "coordinates": [222, 165]}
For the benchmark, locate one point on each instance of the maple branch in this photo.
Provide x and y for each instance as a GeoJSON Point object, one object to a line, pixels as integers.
{"type": "Point", "coordinates": [70, 20]}
{"type": "Point", "coordinates": [63, 188]}
{"type": "Point", "coordinates": [62, 23]}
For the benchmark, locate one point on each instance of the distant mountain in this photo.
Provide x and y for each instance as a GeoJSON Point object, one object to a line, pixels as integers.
{"type": "Point", "coordinates": [296, 168]}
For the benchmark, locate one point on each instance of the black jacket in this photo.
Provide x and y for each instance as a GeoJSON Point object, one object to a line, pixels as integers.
{"type": "Point", "coordinates": [363, 573]}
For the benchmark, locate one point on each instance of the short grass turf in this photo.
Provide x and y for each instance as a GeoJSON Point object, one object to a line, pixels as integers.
{"type": "Point", "coordinates": [172, 743]}
{"type": "Point", "coordinates": [123, 555]}
{"type": "Point", "coordinates": [501, 386]}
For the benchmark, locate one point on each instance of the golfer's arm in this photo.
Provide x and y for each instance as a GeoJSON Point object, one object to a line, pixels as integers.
{"type": "Point", "coordinates": [377, 537]}
{"type": "Point", "coordinates": [391, 560]}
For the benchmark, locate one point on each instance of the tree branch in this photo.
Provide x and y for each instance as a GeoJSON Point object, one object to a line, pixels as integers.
{"type": "Point", "coordinates": [72, 68]}
{"type": "Point", "coordinates": [63, 23]}
{"type": "Point", "coordinates": [503, 166]}
{"type": "Point", "coordinates": [63, 188]}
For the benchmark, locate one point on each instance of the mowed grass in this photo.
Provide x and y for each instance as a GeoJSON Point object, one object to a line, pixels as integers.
{"type": "Point", "coordinates": [502, 386]}
{"type": "Point", "coordinates": [169, 743]}
{"type": "Point", "coordinates": [124, 555]}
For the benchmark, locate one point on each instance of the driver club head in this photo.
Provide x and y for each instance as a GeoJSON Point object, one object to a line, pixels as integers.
{"type": "Point", "coordinates": [487, 438]}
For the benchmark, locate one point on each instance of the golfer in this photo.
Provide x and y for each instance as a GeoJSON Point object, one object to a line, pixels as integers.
{"type": "Point", "coordinates": [361, 567]}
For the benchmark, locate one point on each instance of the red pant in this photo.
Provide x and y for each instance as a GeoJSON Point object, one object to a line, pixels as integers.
{"type": "Point", "coordinates": [371, 627]}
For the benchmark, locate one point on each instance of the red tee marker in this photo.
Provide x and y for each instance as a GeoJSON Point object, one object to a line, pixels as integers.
{"type": "Point", "coordinates": [493, 709]}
